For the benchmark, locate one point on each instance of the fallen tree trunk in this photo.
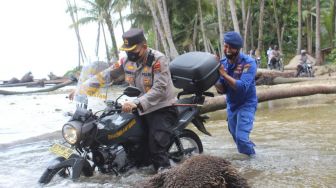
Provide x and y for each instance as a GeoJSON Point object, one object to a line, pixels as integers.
{"type": "Point", "coordinates": [68, 82]}
{"type": "Point", "coordinates": [58, 81]}
{"type": "Point", "coordinates": [219, 102]}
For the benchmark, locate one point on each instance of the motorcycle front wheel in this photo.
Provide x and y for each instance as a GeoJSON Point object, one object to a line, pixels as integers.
{"type": "Point", "coordinates": [186, 144]}
{"type": "Point", "coordinates": [63, 171]}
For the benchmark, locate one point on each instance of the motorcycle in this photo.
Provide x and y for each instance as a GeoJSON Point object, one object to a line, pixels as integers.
{"type": "Point", "coordinates": [276, 64]}
{"type": "Point", "coordinates": [113, 142]}
{"type": "Point", "coordinates": [305, 70]}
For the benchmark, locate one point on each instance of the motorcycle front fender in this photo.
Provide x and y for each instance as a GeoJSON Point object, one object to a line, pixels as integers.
{"type": "Point", "coordinates": [76, 162]}
{"type": "Point", "coordinates": [198, 122]}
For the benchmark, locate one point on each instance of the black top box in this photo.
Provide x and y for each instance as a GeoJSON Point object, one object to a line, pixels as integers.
{"type": "Point", "coordinates": [194, 72]}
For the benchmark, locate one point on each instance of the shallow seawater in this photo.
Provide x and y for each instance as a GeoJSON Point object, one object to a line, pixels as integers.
{"type": "Point", "coordinates": [295, 138]}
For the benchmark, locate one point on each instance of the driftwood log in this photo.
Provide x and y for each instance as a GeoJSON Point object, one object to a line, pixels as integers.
{"type": "Point", "coordinates": [68, 82]}
{"type": "Point", "coordinates": [36, 82]}
{"type": "Point", "coordinates": [273, 93]}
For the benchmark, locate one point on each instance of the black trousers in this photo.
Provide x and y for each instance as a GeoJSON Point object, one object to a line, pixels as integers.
{"type": "Point", "coordinates": [159, 125]}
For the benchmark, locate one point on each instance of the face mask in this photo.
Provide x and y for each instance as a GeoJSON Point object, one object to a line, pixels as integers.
{"type": "Point", "coordinates": [133, 56]}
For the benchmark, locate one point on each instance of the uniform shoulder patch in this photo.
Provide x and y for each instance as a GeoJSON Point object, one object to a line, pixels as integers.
{"type": "Point", "coordinates": [157, 67]}
{"type": "Point", "coordinates": [246, 67]}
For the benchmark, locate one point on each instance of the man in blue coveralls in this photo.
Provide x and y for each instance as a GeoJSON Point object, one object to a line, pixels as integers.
{"type": "Point", "coordinates": [237, 81]}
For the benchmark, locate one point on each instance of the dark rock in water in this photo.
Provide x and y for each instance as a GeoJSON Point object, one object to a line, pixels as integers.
{"type": "Point", "coordinates": [12, 81]}
{"type": "Point", "coordinates": [28, 77]}
{"type": "Point", "coordinates": [52, 76]}
{"type": "Point", "coordinates": [198, 171]}
{"type": "Point", "coordinates": [39, 83]}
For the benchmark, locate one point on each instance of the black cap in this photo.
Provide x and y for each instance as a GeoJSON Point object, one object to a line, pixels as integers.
{"type": "Point", "coordinates": [131, 38]}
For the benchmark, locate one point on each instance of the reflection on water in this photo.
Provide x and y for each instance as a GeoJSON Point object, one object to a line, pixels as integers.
{"type": "Point", "coordinates": [295, 138]}
{"type": "Point", "coordinates": [296, 145]}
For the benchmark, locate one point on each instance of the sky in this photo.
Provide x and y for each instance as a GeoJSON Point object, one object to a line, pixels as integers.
{"type": "Point", "coordinates": [35, 36]}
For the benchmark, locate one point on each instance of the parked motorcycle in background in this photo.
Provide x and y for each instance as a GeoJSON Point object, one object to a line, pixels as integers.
{"type": "Point", "coordinates": [305, 70]}
{"type": "Point", "coordinates": [276, 64]}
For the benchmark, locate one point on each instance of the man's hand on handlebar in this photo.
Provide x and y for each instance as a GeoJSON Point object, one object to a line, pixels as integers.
{"type": "Point", "coordinates": [128, 106]}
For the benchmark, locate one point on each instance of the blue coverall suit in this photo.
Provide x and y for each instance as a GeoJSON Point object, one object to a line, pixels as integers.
{"type": "Point", "coordinates": [241, 102]}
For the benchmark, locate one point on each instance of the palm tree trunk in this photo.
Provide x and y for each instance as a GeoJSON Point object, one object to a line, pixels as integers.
{"type": "Point", "coordinates": [161, 4]}
{"type": "Point", "coordinates": [211, 48]}
{"type": "Point", "coordinates": [106, 46]}
{"type": "Point", "coordinates": [107, 18]}
{"type": "Point", "coordinates": [246, 27]}
{"type": "Point", "coordinates": [98, 39]}
{"type": "Point", "coordinates": [243, 10]}
{"type": "Point", "coordinates": [202, 26]}
{"type": "Point", "coordinates": [219, 102]}
{"type": "Point", "coordinates": [224, 15]}
{"type": "Point", "coordinates": [260, 30]}
{"type": "Point", "coordinates": [277, 26]}
{"type": "Point", "coordinates": [310, 35]}
{"type": "Point", "coordinates": [194, 37]}
{"type": "Point", "coordinates": [299, 43]}
{"type": "Point", "coordinates": [234, 16]}
{"type": "Point", "coordinates": [318, 34]}
{"type": "Point", "coordinates": [159, 27]}
{"type": "Point", "coordinates": [81, 51]}
{"type": "Point", "coordinates": [334, 25]}
{"type": "Point", "coordinates": [156, 37]}
{"type": "Point", "coordinates": [121, 21]}
{"type": "Point", "coordinates": [220, 26]}
{"type": "Point", "coordinates": [251, 30]}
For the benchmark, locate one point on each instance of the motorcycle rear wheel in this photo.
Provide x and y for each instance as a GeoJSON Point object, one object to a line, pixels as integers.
{"type": "Point", "coordinates": [187, 144]}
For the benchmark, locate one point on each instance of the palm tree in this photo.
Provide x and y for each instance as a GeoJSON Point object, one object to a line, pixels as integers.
{"type": "Point", "coordinates": [117, 7]}
{"type": "Point", "coordinates": [260, 30]}
{"type": "Point", "coordinates": [318, 34]}
{"type": "Point", "coordinates": [202, 26]}
{"type": "Point", "coordinates": [220, 25]}
{"type": "Point", "coordinates": [163, 12]}
{"type": "Point", "coordinates": [72, 11]}
{"type": "Point", "coordinates": [159, 27]}
{"type": "Point", "coordinates": [99, 11]}
{"type": "Point", "coordinates": [234, 15]}
{"type": "Point", "coordinates": [299, 43]}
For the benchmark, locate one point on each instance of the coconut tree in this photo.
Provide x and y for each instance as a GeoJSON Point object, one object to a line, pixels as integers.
{"type": "Point", "coordinates": [117, 7]}
{"type": "Point", "coordinates": [307, 17]}
{"type": "Point", "coordinates": [234, 15]}
{"type": "Point", "coordinates": [163, 12]}
{"type": "Point", "coordinates": [159, 27]}
{"type": "Point", "coordinates": [202, 26]}
{"type": "Point", "coordinates": [260, 30]}
{"type": "Point", "coordinates": [99, 11]}
{"type": "Point", "coordinates": [73, 13]}
{"type": "Point", "coordinates": [220, 25]}
{"type": "Point", "coordinates": [299, 43]}
{"type": "Point", "coordinates": [278, 26]}
{"type": "Point", "coordinates": [318, 34]}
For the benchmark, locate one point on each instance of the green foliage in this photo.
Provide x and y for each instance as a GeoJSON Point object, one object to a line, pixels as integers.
{"type": "Point", "coordinates": [331, 58]}
{"type": "Point", "coordinates": [75, 71]}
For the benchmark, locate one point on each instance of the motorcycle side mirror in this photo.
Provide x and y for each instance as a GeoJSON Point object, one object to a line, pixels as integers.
{"type": "Point", "coordinates": [131, 91]}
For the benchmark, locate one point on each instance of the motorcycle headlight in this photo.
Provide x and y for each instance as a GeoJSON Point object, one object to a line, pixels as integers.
{"type": "Point", "coordinates": [71, 132]}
